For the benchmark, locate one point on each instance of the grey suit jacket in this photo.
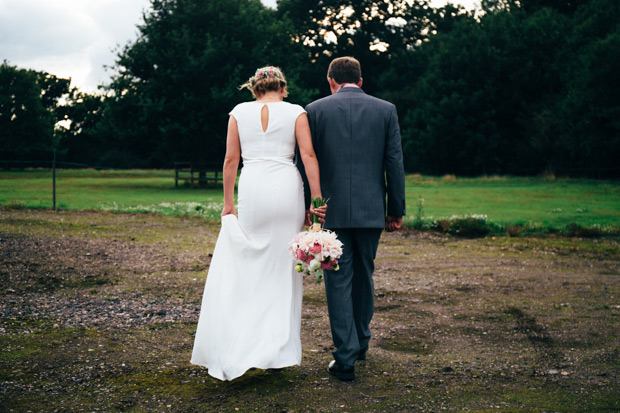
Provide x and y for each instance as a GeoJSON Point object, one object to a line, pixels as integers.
{"type": "Point", "coordinates": [357, 141]}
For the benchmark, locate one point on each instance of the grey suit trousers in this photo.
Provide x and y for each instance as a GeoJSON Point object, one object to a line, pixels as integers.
{"type": "Point", "coordinates": [350, 293]}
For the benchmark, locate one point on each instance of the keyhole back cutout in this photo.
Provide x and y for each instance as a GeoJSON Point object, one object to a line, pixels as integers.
{"type": "Point", "coordinates": [264, 117]}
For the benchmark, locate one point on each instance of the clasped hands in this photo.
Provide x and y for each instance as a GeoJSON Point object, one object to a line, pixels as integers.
{"type": "Point", "coordinates": [319, 212]}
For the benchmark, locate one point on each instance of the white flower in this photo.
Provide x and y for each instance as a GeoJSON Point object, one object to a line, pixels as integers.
{"type": "Point", "coordinates": [314, 265]}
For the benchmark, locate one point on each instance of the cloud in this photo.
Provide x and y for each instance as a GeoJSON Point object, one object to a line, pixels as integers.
{"type": "Point", "coordinates": [68, 38]}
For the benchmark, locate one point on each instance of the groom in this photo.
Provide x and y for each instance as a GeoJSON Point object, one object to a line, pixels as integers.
{"type": "Point", "coordinates": [357, 142]}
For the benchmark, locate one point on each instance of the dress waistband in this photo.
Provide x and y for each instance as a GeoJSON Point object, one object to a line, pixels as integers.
{"type": "Point", "coordinates": [285, 160]}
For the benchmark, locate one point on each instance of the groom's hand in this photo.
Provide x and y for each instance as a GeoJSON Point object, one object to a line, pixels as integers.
{"type": "Point", "coordinates": [393, 223]}
{"type": "Point", "coordinates": [319, 212]}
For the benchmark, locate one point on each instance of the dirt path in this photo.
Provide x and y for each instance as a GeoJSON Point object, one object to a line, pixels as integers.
{"type": "Point", "coordinates": [98, 312]}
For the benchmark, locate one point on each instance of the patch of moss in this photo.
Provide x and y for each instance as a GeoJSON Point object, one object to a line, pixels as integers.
{"type": "Point", "coordinates": [406, 345]}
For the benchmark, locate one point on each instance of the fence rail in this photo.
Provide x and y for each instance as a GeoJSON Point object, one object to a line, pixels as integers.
{"type": "Point", "coordinates": [594, 172]}
{"type": "Point", "coordinates": [197, 174]}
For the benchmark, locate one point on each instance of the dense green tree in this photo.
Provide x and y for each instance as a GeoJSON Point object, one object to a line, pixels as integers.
{"type": "Point", "coordinates": [564, 6]}
{"type": "Point", "coordinates": [589, 123]}
{"type": "Point", "coordinates": [370, 30]}
{"type": "Point", "coordinates": [515, 91]}
{"type": "Point", "coordinates": [177, 82]}
{"type": "Point", "coordinates": [450, 128]}
{"type": "Point", "coordinates": [525, 86]}
{"type": "Point", "coordinates": [84, 139]}
{"type": "Point", "coordinates": [28, 112]}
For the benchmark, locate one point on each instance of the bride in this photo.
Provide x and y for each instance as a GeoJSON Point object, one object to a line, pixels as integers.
{"type": "Point", "coordinates": [251, 307]}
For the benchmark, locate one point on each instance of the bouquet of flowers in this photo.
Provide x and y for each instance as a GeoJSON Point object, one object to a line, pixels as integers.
{"type": "Point", "coordinates": [316, 249]}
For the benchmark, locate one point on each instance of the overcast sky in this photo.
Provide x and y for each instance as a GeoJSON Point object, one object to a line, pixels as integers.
{"type": "Point", "coordinates": [75, 38]}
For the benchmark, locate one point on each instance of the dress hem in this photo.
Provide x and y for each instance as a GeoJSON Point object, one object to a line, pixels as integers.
{"type": "Point", "coordinates": [263, 367]}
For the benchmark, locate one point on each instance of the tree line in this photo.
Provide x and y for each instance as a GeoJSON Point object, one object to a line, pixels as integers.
{"type": "Point", "coordinates": [517, 87]}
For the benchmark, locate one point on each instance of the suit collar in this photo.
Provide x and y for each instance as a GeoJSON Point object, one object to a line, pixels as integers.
{"type": "Point", "coordinates": [350, 90]}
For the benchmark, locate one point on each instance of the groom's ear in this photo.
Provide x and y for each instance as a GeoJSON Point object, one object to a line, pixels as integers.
{"type": "Point", "coordinates": [359, 84]}
{"type": "Point", "coordinates": [333, 85]}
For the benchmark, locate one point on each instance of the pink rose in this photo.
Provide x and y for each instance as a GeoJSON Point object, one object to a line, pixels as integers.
{"type": "Point", "coordinates": [308, 259]}
{"type": "Point", "coordinates": [271, 73]}
{"type": "Point", "coordinates": [315, 249]}
{"type": "Point", "coordinates": [327, 265]}
{"type": "Point", "coordinates": [301, 255]}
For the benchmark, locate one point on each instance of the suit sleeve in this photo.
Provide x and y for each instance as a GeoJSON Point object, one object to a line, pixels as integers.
{"type": "Point", "coordinates": [394, 169]}
{"type": "Point", "coordinates": [300, 164]}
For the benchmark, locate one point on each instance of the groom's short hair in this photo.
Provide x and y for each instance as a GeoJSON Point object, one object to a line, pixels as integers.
{"type": "Point", "coordinates": [345, 70]}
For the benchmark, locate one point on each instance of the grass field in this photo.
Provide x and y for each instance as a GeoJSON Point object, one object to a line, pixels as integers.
{"type": "Point", "coordinates": [536, 203]}
{"type": "Point", "coordinates": [122, 191]}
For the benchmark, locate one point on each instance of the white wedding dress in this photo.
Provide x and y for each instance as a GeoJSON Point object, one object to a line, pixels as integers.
{"type": "Point", "coordinates": [251, 307]}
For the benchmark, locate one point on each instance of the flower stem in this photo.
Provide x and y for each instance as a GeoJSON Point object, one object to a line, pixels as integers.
{"type": "Point", "coordinates": [317, 203]}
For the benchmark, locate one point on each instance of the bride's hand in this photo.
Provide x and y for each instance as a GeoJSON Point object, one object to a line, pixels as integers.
{"type": "Point", "coordinates": [319, 212]}
{"type": "Point", "coordinates": [228, 210]}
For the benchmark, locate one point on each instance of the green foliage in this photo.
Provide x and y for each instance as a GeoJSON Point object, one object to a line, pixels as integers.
{"type": "Point", "coordinates": [177, 82]}
{"type": "Point", "coordinates": [590, 107]}
{"type": "Point", "coordinates": [211, 210]}
{"type": "Point", "coordinates": [526, 87]}
{"type": "Point", "coordinates": [15, 204]}
{"type": "Point", "coordinates": [590, 231]}
{"type": "Point", "coordinates": [28, 112]}
{"type": "Point", "coordinates": [471, 226]}
{"type": "Point", "coordinates": [370, 30]}
{"type": "Point", "coordinates": [83, 140]}
{"type": "Point", "coordinates": [480, 82]}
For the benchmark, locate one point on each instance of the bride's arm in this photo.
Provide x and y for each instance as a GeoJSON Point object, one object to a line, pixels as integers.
{"type": "Point", "coordinates": [231, 163]}
{"type": "Point", "coordinates": [308, 157]}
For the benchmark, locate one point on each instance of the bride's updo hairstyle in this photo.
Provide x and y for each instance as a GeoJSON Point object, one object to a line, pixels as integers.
{"type": "Point", "coordinates": [266, 79]}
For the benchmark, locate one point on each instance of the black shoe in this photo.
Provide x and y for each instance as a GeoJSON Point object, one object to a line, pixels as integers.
{"type": "Point", "coordinates": [362, 355]}
{"type": "Point", "coordinates": [344, 373]}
